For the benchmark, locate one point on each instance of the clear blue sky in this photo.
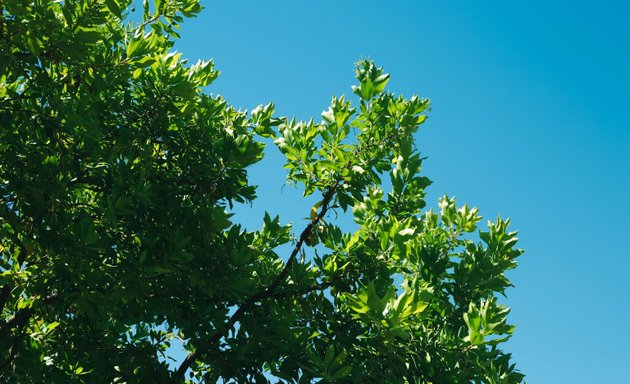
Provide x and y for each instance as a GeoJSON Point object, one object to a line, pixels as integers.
{"type": "Point", "coordinates": [531, 119]}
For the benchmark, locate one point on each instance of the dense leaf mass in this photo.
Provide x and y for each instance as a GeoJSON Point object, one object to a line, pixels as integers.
{"type": "Point", "coordinates": [117, 175]}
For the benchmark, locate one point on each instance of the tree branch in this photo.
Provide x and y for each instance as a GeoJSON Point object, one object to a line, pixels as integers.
{"type": "Point", "coordinates": [270, 290]}
{"type": "Point", "coordinates": [263, 293]}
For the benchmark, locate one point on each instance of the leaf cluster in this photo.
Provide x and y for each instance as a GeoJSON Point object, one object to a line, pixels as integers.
{"type": "Point", "coordinates": [118, 173]}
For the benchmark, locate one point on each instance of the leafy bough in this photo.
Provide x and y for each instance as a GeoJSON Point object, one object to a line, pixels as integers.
{"type": "Point", "coordinates": [327, 172]}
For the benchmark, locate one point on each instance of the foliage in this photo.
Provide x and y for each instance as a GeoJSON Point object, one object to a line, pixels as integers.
{"type": "Point", "coordinates": [117, 176]}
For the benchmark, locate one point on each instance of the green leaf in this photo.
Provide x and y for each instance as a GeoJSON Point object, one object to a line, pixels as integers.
{"type": "Point", "coordinates": [114, 7]}
{"type": "Point", "coordinates": [88, 35]}
{"type": "Point", "coordinates": [342, 372]}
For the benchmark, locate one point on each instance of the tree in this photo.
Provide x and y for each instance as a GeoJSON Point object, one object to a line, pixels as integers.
{"type": "Point", "coordinates": [118, 173]}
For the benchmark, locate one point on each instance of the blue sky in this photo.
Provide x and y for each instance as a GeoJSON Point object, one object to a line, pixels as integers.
{"type": "Point", "coordinates": [530, 120]}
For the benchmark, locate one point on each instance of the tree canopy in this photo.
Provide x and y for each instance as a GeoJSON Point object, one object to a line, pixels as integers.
{"type": "Point", "coordinates": [119, 174]}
